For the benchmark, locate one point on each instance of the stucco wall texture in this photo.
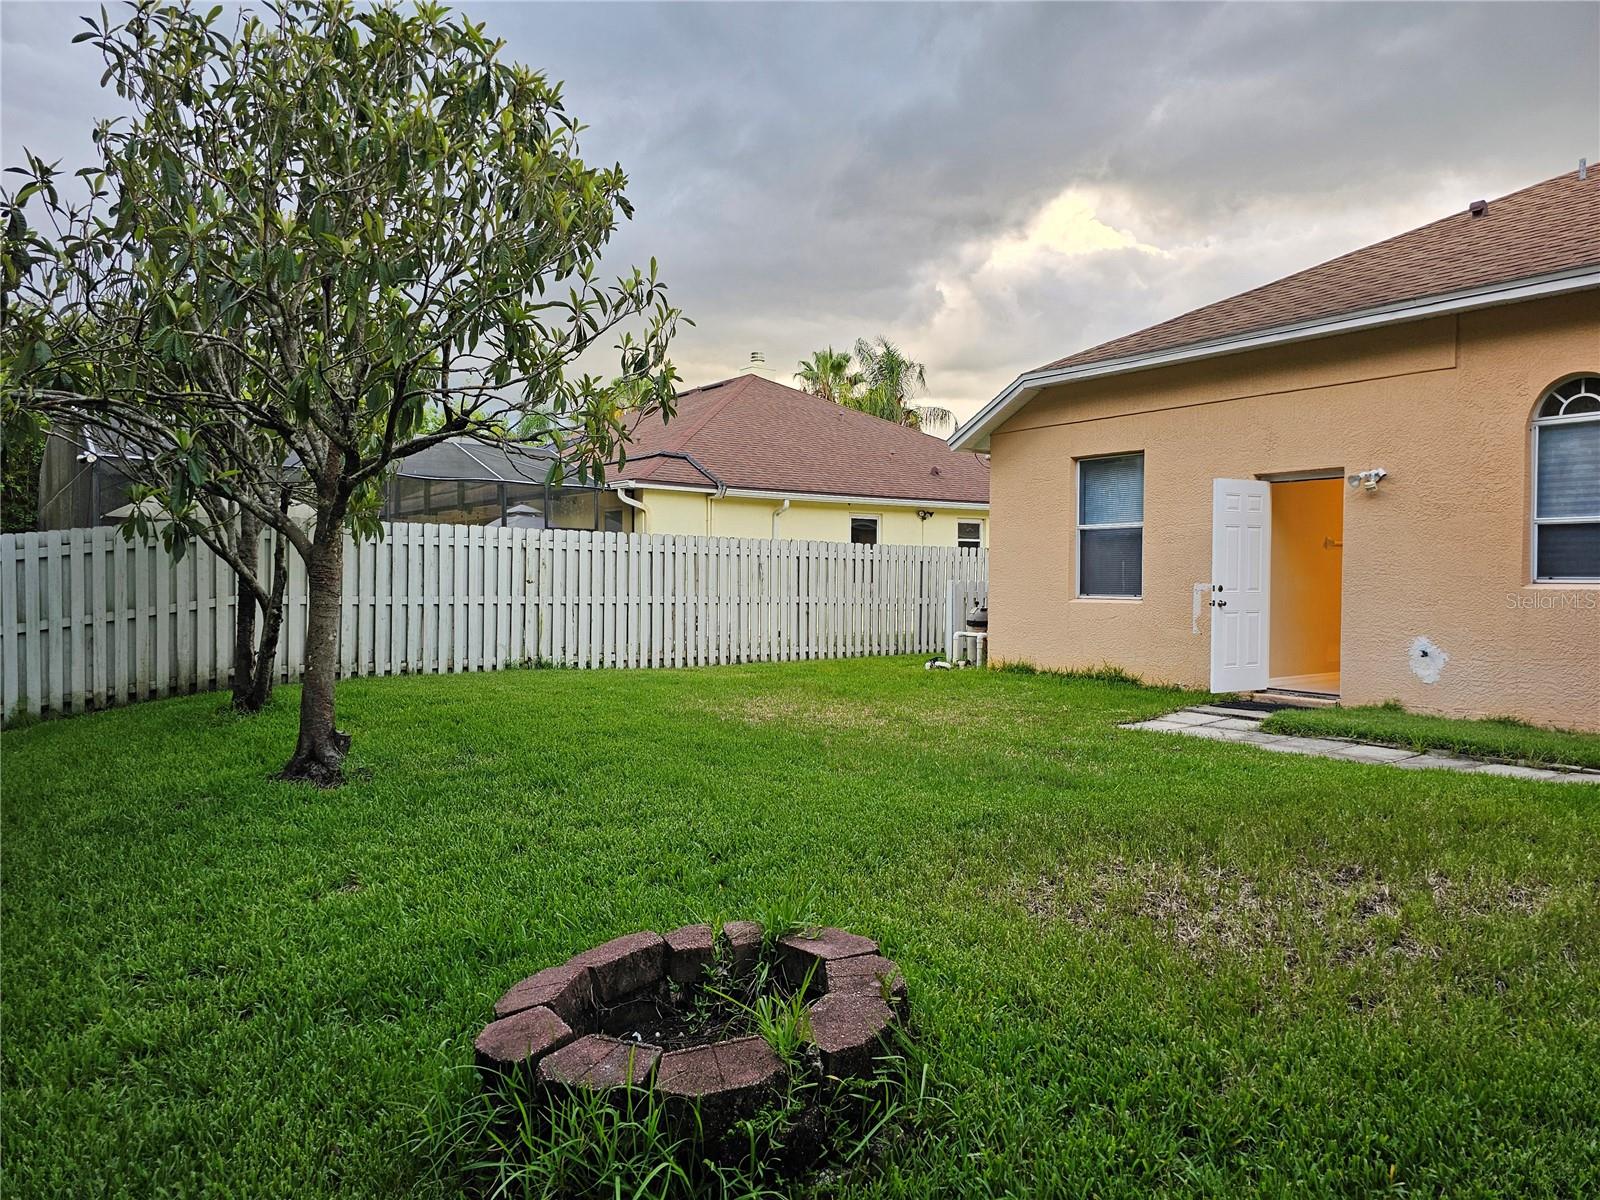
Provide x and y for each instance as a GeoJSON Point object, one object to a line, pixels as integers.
{"type": "Point", "coordinates": [1440, 550]}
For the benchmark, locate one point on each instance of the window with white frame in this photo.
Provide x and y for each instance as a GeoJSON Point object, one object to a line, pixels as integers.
{"type": "Point", "coordinates": [969, 535]}
{"type": "Point", "coordinates": [863, 530]}
{"type": "Point", "coordinates": [1111, 525]}
{"type": "Point", "coordinates": [1566, 483]}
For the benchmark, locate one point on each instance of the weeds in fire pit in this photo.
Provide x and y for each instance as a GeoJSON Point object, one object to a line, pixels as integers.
{"type": "Point", "coordinates": [783, 1024]}
{"type": "Point", "coordinates": [779, 1015]}
{"type": "Point", "coordinates": [725, 1004]}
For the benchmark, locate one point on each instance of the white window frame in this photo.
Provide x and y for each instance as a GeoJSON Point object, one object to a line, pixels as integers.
{"type": "Point", "coordinates": [877, 528]}
{"type": "Point", "coordinates": [960, 521]}
{"type": "Point", "coordinates": [1077, 504]}
{"type": "Point", "coordinates": [1536, 522]}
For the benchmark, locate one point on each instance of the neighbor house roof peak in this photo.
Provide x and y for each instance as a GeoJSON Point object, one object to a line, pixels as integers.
{"type": "Point", "coordinates": [753, 433]}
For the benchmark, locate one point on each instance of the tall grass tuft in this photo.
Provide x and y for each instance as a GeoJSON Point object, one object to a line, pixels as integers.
{"type": "Point", "coordinates": [629, 1145]}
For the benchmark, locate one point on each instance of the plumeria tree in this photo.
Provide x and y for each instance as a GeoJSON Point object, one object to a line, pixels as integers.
{"type": "Point", "coordinates": [328, 238]}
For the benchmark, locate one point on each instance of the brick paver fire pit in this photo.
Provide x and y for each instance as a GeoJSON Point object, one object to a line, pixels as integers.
{"type": "Point", "coordinates": [615, 1015]}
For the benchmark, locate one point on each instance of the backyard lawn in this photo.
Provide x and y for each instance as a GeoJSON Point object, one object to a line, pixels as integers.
{"type": "Point", "coordinates": [1138, 962]}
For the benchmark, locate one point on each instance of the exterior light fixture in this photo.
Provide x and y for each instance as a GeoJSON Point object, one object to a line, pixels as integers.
{"type": "Point", "coordinates": [1367, 481]}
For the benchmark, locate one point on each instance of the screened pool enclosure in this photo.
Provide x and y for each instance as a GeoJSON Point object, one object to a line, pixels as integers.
{"type": "Point", "coordinates": [468, 483]}
{"type": "Point", "coordinates": [84, 481]}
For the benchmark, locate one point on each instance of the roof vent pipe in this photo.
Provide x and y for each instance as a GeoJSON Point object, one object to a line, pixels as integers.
{"type": "Point", "coordinates": [1478, 207]}
{"type": "Point", "coordinates": [1583, 168]}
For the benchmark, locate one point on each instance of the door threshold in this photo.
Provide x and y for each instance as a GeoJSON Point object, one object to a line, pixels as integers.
{"type": "Point", "coordinates": [1293, 698]}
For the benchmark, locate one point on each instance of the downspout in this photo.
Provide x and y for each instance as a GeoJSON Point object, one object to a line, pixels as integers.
{"type": "Point", "coordinates": [711, 502]}
{"type": "Point", "coordinates": [622, 494]}
{"type": "Point", "coordinates": [777, 516]}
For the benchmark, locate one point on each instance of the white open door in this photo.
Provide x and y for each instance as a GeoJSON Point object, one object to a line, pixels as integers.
{"type": "Point", "coordinates": [1241, 575]}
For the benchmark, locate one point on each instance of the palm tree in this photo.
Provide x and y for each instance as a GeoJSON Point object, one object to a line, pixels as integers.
{"type": "Point", "coordinates": [891, 381]}
{"type": "Point", "coordinates": [827, 374]}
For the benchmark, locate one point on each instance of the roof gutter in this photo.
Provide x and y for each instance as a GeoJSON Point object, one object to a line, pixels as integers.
{"type": "Point", "coordinates": [974, 435]}
{"type": "Point", "coordinates": [619, 484]}
{"type": "Point", "coordinates": [802, 497]}
{"type": "Point", "coordinates": [720, 487]}
{"type": "Point", "coordinates": [832, 498]}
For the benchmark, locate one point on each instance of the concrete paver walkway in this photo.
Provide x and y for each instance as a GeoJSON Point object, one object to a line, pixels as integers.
{"type": "Point", "coordinates": [1225, 724]}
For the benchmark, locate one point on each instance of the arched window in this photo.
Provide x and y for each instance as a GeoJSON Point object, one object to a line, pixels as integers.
{"type": "Point", "coordinates": [1566, 483]}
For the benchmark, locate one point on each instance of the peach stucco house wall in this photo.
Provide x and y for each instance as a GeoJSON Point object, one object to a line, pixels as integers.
{"type": "Point", "coordinates": [1441, 549]}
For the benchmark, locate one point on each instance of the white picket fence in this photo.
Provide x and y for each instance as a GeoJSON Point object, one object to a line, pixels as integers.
{"type": "Point", "coordinates": [88, 620]}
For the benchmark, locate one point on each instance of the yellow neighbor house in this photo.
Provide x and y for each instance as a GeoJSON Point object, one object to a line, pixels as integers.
{"type": "Point", "coordinates": [751, 458]}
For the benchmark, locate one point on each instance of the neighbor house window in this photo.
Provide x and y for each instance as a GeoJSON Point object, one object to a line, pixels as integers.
{"type": "Point", "coordinates": [969, 535]}
{"type": "Point", "coordinates": [864, 531]}
{"type": "Point", "coordinates": [1111, 525]}
{"type": "Point", "coordinates": [1566, 483]}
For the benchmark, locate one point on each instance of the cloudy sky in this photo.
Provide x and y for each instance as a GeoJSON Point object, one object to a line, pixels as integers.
{"type": "Point", "coordinates": [995, 186]}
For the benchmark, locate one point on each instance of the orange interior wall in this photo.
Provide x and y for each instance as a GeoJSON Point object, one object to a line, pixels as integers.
{"type": "Point", "coordinates": [1306, 572]}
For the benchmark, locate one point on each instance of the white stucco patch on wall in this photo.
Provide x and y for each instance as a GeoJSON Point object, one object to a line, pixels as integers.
{"type": "Point", "coordinates": [1427, 660]}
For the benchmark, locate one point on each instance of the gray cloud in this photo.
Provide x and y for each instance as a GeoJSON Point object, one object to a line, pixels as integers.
{"type": "Point", "coordinates": [810, 173]}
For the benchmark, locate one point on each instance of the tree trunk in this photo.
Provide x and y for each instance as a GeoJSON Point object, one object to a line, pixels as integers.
{"type": "Point", "coordinates": [244, 623]}
{"type": "Point", "coordinates": [271, 627]}
{"type": "Point", "coordinates": [319, 754]}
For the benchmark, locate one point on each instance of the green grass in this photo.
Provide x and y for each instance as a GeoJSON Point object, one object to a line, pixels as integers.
{"type": "Point", "coordinates": [1138, 962]}
{"type": "Point", "coordinates": [1501, 739]}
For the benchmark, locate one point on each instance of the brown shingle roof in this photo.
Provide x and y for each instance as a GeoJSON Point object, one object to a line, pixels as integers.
{"type": "Point", "coordinates": [749, 432]}
{"type": "Point", "coordinates": [1549, 227]}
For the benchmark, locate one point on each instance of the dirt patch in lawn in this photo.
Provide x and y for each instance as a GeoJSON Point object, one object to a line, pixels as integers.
{"type": "Point", "coordinates": [1346, 914]}
{"type": "Point", "coordinates": [770, 709]}
{"type": "Point", "coordinates": [811, 711]}
{"type": "Point", "coordinates": [1472, 899]}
